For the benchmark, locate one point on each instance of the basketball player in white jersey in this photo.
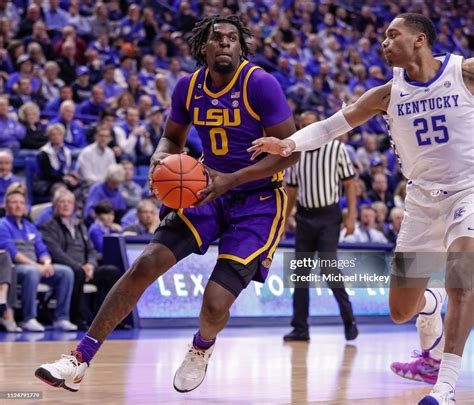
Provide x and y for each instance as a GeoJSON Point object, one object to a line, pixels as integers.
{"type": "Point", "coordinates": [430, 109]}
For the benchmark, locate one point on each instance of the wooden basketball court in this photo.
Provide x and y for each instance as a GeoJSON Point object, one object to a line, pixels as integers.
{"type": "Point", "coordinates": [249, 366]}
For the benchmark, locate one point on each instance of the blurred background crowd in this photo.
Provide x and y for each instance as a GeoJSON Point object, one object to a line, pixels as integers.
{"type": "Point", "coordinates": [85, 89]}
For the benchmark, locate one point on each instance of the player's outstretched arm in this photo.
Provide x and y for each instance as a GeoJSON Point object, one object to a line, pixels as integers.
{"type": "Point", "coordinates": [271, 164]}
{"type": "Point", "coordinates": [371, 103]}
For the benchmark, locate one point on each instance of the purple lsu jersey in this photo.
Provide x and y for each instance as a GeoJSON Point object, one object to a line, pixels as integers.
{"type": "Point", "coordinates": [229, 119]}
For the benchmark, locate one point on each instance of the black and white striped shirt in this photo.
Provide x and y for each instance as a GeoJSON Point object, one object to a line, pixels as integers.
{"type": "Point", "coordinates": [318, 174]}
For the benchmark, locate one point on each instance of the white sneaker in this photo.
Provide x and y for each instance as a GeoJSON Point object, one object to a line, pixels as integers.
{"type": "Point", "coordinates": [10, 325]}
{"type": "Point", "coordinates": [67, 372]}
{"type": "Point", "coordinates": [430, 327]}
{"type": "Point", "coordinates": [64, 325]}
{"type": "Point", "coordinates": [439, 398]}
{"type": "Point", "coordinates": [193, 369]}
{"type": "Point", "coordinates": [32, 325]}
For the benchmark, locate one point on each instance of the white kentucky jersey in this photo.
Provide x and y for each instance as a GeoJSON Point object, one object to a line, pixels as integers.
{"type": "Point", "coordinates": [431, 126]}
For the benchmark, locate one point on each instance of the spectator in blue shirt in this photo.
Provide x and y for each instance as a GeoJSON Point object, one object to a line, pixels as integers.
{"type": "Point", "coordinates": [111, 89]}
{"type": "Point", "coordinates": [11, 131]}
{"type": "Point", "coordinates": [25, 68]}
{"type": "Point", "coordinates": [51, 109]}
{"type": "Point", "coordinates": [55, 17]}
{"type": "Point", "coordinates": [131, 27]}
{"type": "Point", "coordinates": [104, 224]}
{"type": "Point", "coordinates": [22, 240]}
{"type": "Point", "coordinates": [147, 74]}
{"type": "Point", "coordinates": [90, 110]}
{"type": "Point", "coordinates": [74, 136]}
{"type": "Point", "coordinates": [6, 175]}
{"type": "Point", "coordinates": [107, 190]}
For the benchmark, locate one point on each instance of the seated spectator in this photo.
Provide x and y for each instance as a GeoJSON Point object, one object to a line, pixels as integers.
{"type": "Point", "coordinates": [92, 108]}
{"type": "Point", "coordinates": [51, 82]}
{"type": "Point", "coordinates": [162, 96]}
{"type": "Point", "coordinates": [361, 196]}
{"type": "Point", "coordinates": [67, 62]}
{"type": "Point", "coordinates": [66, 239]}
{"type": "Point", "coordinates": [82, 87]}
{"type": "Point", "coordinates": [148, 219]}
{"type": "Point", "coordinates": [147, 74]}
{"type": "Point", "coordinates": [396, 219]}
{"type": "Point", "coordinates": [107, 119]}
{"type": "Point", "coordinates": [36, 55]}
{"type": "Point", "coordinates": [35, 137]}
{"type": "Point", "coordinates": [108, 190]}
{"type": "Point", "coordinates": [40, 35]}
{"type": "Point", "coordinates": [25, 95]}
{"type": "Point", "coordinates": [380, 191]}
{"type": "Point", "coordinates": [111, 89]}
{"type": "Point", "coordinates": [103, 225]}
{"type": "Point", "coordinates": [100, 22]}
{"type": "Point", "coordinates": [154, 125]}
{"type": "Point", "coordinates": [94, 159]}
{"type": "Point", "coordinates": [131, 27]}
{"type": "Point", "coordinates": [25, 69]}
{"type": "Point", "coordinates": [80, 23]}
{"type": "Point", "coordinates": [51, 109]}
{"type": "Point", "coordinates": [365, 231]}
{"type": "Point", "coordinates": [174, 73]}
{"type": "Point", "coordinates": [134, 87]}
{"type": "Point", "coordinates": [11, 131]}
{"type": "Point", "coordinates": [74, 136]}
{"type": "Point", "coordinates": [133, 138]}
{"type": "Point", "coordinates": [7, 293]}
{"type": "Point", "coordinates": [124, 102]}
{"type": "Point", "coordinates": [105, 52]}
{"type": "Point", "coordinates": [367, 152]}
{"type": "Point", "coordinates": [33, 264]}
{"type": "Point", "coordinates": [6, 173]}
{"type": "Point", "coordinates": [131, 191]}
{"type": "Point", "coordinates": [145, 104]}
{"type": "Point", "coordinates": [55, 163]}
{"type": "Point", "coordinates": [55, 17]}
{"type": "Point", "coordinates": [69, 35]}
{"type": "Point", "coordinates": [381, 214]}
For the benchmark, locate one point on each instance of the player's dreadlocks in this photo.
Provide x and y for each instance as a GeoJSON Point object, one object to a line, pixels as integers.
{"type": "Point", "coordinates": [201, 32]}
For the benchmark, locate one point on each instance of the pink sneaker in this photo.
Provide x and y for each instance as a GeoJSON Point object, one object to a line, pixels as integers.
{"type": "Point", "coordinates": [425, 368]}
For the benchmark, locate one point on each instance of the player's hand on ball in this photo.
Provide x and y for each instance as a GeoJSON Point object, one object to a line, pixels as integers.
{"type": "Point", "coordinates": [273, 146]}
{"type": "Point", "coordinates": [155, 160]}
{"type": "Point", "coordinates": [218, 184]}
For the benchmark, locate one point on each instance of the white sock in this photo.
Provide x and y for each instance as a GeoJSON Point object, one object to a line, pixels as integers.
{"type": "Point", "coordinates": [448, 372]}
{"type": "Point", "coordinates": [431, 303]}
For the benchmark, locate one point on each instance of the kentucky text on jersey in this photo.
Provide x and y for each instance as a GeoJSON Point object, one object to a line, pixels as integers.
{"type": "Point", "coordinates": [430, 104]}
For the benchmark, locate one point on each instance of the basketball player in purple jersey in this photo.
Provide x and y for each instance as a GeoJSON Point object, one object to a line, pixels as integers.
{"type": "Point", "coordinates": [231, 103]}
{"type": "Point", "coordinates": [429, 105]}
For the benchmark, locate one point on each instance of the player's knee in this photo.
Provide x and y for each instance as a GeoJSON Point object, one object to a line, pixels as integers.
{"type": "Point", "coordinates": [213, 310]}
{"type": "Point", "coordinates": [152, 263]}
{"type": "Point", "coordinates": [400, 314]}
{"type": "Point", "coordinates": [459, 272]}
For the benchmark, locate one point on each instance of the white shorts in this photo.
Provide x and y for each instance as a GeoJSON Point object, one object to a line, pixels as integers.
{"type": "Point", "coordinates": [432, 221]}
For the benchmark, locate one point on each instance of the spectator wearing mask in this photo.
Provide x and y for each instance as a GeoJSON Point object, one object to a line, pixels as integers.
{"type": "Point", "coordinates": [68, 242]}
{"type": "Point", "coordinates": [33, 264]}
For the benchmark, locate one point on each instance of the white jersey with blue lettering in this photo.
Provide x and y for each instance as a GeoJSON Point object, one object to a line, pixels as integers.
{"type": "Point", "coordinates": [432, 127]}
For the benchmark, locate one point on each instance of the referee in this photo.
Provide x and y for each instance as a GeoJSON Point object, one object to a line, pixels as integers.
{"type": "Point", "coordinates": [314, 183]}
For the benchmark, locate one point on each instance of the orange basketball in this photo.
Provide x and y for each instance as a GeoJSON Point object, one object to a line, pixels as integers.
{"type": "Point", "coordinates": [177, 180]}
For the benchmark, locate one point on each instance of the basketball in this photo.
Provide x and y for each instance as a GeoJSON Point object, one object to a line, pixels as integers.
{"type": "Point", "coordinates": [177, 181]}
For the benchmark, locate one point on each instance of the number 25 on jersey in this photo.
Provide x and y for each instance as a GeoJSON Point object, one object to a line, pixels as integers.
{"type": "Point", "coordinates": [439, 131]}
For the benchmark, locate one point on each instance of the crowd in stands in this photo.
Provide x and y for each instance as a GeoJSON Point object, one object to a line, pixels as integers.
{"type": "Point", "coordinates": [85, 89]}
